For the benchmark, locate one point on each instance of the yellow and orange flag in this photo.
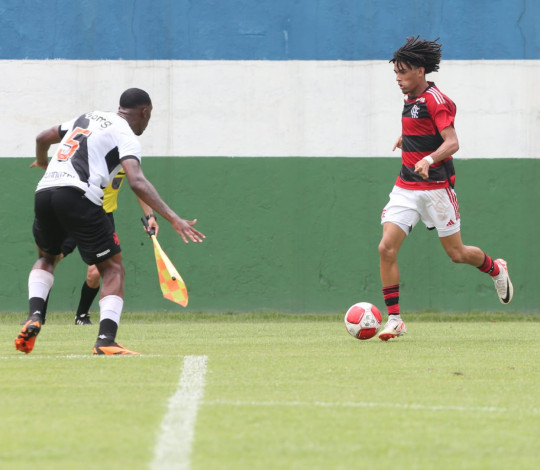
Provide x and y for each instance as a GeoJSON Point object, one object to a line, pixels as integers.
{"type": "Point", "coordinates": [172, 284]}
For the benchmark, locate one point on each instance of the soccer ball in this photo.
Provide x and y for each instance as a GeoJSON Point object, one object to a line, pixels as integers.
{"type": "Point", "coordinates": [363, 320]}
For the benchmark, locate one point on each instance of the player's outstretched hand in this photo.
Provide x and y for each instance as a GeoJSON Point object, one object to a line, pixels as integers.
{"type": "Point", "coordinates": [186, 231]}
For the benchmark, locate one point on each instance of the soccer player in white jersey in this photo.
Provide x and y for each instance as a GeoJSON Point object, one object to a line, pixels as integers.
{"type": "Point", "coordinates": [424, 189]}
{"type": "Point", "coordinates": [69, 202]}
{"type": "Point", "coordinates": [90, 287]}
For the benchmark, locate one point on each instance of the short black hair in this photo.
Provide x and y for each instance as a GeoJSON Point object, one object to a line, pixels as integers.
{"type": "Point", "coordinates": [134, 97]}
{"type": "Point", "coordinates": [419, 53]}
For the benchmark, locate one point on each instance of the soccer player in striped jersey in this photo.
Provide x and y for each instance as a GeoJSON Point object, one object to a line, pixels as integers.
{"type": "Point", "coordinates": [424, 188]}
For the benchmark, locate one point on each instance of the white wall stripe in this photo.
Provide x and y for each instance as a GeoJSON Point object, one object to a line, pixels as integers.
{"type": "Point", "coordinates": [173, 448]}
{"type": "Point", "coordinates": [262, 108]}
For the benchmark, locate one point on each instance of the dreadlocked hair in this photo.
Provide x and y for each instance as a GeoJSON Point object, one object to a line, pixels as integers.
{"type": "Point", "coordinates": [419, 53]}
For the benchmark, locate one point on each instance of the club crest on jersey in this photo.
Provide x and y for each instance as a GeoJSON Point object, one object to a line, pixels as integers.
{"type": "Point", "coordinates": [414, 111]}
{"type": "Point", "coordinates": [116, 182]}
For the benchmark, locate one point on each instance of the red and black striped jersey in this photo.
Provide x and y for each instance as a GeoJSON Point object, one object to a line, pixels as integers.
{"type": "Point", "coordinates": [423, 118]}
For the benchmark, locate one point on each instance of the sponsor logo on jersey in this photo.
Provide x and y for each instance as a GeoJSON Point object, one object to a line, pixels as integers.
{"type": "Point", "coordinates": [98, 118]}
{"type": "Point", "coordinates": [57, 174]}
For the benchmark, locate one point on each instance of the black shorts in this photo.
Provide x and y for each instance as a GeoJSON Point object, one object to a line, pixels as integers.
{"type": "Point", "coordinates": [65, 212]}
{"type": "Point", "coordinates": [70, 244]}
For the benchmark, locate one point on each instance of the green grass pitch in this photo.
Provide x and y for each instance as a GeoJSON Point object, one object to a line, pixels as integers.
{"type": "Point", "coordinates": [281, 392]}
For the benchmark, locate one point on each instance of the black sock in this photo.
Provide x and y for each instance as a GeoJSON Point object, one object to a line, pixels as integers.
{"type": "Point", "coordinates": [88, 294]}
{"type": "Point", "coordinates": [37, 306]}
{"type": "Point", "coordinates": [107, 330]}
{"type": "Point", "coordinates": [44, 313]}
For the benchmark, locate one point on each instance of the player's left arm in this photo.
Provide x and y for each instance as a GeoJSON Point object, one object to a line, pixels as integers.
{"type": "Point", "coordinates": [449, 146]}
{"type": "Point", "coordinates": [44, 140]}
{"type": "Point", "coordinates": [149, 216]}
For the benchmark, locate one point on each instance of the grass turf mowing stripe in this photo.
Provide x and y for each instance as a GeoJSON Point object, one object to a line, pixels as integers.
{"type": "Point", "coordinates": [403, 406]}
{"type": "Point", "coordinates": [173, 448]}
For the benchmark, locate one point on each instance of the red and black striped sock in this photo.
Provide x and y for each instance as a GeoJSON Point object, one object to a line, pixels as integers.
{"type": "Point", "coordinates": [489, 266]}
{"type": "Point", "coordinates": [391, 299]}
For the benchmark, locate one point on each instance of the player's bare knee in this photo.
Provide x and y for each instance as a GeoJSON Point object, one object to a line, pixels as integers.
{"type": "Point", "coordinates": [456, 256]}
{"type": "Point", "coordinates": [386, 251]}
{"type": "Point", "coordinates": [111, 267]}
{"type": "Point", "coordinates": [93, 276]}
{"type": "Point", "coordinates": [46, 261]}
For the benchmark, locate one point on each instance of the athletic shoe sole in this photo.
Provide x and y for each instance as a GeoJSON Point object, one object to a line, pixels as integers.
{"type": "Point", "coordinates": [387, 336]}
{"type": "Point", "coordinates": [113, 350]}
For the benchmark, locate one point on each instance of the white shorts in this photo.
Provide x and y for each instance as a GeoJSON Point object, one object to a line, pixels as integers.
{"type": "Point", "coordinates": [437, 208]}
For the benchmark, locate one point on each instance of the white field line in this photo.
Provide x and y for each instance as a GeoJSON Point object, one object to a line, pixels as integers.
{"type": "Point", "coordinates": [402, 406]}
{"type": "Point", "coordinates": [28, 357]}
{"type": "Point", "coordinates": [173, 448]}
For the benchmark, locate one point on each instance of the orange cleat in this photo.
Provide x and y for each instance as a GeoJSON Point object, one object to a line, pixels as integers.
{"type": "Point", "coordinates": [112, 349]}
{"type": "Point", "coordinates": [25, 340]}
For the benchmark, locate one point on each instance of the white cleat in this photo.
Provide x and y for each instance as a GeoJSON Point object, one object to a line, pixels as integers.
{"type": "Point", "coordinates": [394, 327]}
{"type": "Point", "coordinates": [505, 289]}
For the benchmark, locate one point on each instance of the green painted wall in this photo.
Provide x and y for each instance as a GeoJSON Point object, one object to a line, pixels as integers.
{"type": "Point", "coordinates": [293, 235]}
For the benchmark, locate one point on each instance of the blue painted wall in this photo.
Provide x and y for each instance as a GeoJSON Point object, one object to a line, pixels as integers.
{"type": "Point", "coordinates": [264, 29]}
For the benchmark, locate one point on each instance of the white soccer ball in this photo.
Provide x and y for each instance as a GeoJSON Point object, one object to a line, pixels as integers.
{"type": "Point", "coordinates": [363, 320]}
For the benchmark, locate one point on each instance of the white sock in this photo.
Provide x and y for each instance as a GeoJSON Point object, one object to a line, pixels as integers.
{"type": "Point", "coordinates": [110, 307]}
{"type": "Point", "coordinates": [40, 283]}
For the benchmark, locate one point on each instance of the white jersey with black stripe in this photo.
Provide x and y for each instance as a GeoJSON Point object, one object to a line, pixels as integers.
{"type": "Point", "coordinates": [89, 155]}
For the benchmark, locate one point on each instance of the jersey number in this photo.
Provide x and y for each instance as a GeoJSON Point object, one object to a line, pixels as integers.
{"type": "Point", "coordinates": [72, 144]}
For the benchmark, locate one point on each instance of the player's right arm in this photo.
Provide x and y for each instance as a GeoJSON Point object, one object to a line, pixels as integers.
{"type": "Point", "coordinates": [44, 140]}
{"type": "Point", "coordinates": [149, 216]}
{"type": "Point", "coordinates": [148, 194]}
